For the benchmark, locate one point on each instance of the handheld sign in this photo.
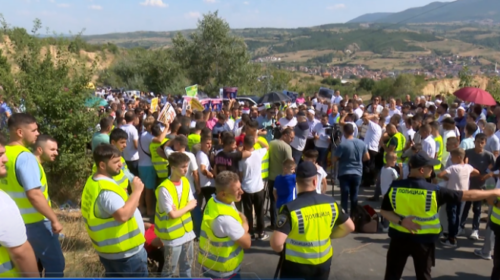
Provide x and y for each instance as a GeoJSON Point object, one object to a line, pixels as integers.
{"type": "Point", "coordinates": [154, 104]}
{"type": "Point", "coordinates": [192, 91]}
{"type": "Point", "coordinates": [167, 114]}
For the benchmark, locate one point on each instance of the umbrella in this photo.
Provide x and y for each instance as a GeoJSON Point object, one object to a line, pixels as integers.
{"type": "Point", "coordinates": [273, 97]}
{"type": "Point", "coordinates": [95, 101]}
{"type": "Point", "coordinates": [475, 95]}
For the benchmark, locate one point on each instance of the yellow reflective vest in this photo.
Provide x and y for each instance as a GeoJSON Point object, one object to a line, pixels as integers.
{"type": "Point", "coordinates": [120, 179]}
{"type": "Point", "coordinates": [219, 256]}
{"type": "Point", "coordinates": [193, 139]}
{"type": "Point", "coordinates": [160, 164]}
{"type": "Point", "coordinates": [419, 203]}
{"type": "Point", "coordinates": [108, 235]}
{"type": "Point", "coordinates": [7, 267]}
{"type": "Point", "coordinates": [495, 215]}
{"type": "Point", "coordinates": [13, 188]}
{"type": "Point", "coordinates": [399, 149]}
{"type": "Point", "coordinates": [167, 228]}
{"type": "Point", "coordinates": [439, 151]}
{"type": "Point", "coordinates": [265, 159]}
{"type": "Point", "coordinates": [309, 238]}
{"type": "Point", "coordinates": [112, 127]}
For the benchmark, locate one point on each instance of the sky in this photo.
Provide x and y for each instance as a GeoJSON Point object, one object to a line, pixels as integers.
{"type": "Point", "coordinates": [109, 16]}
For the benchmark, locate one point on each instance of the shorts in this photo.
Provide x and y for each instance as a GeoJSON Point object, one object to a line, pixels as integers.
{"type": "Point", "coordinates": [148, 177]}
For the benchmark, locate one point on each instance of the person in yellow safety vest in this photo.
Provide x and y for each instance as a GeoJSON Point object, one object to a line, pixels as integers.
{"type": "Point", "coordinates": [439, 144]}
{"type": "Point", "coordinates": [17, 258]}
{"type": "Point", "coordinates": [118, 138]}
{"type": "Point", "coordinates": [102, 136]}
{"type": "Point", "coordinates": [159, 163]}
{"type": "Point", "coordinates": [495, 228]}
{"type": "Point", "coordinates": [112, 219]}
{"type": "Point", "coordinates": [26, 184]}
{"type": "Point", "coordinates": [224, 230]}
{"type": "Point", "coordinates": [411, 206]}
{"type": "Point", "coordinates": [195, 137]}
{"type": "Point", "coordinates": [396, 143]}
{"type": "Point", "coordinates": [173, 222]}
{"type": "Point", "coordinates": [306, 226]}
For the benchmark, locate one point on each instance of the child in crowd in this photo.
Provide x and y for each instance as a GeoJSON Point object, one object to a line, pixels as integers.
{"type": "Point", "coordinates": [173, 222]}
{"type": "Point", "coordinates": [312, 156]}
{"type": "Point", "coordinates": [285, 184]}
{"type": "Point", "coordinates": [457, 176]}
{"type": "Point", "coordinates": [390, 172]}
{"type": "Point", "coordinates": [154, 246]}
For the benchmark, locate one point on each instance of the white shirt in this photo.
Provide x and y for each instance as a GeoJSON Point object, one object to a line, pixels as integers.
{"type": "Point", "coordinates": [193, 166]}
{"type": "Point", "coordinates": [372, 136]}
{"type": "Point", "coordinates": [498, 135]}
{"type": "Point", "coordinates": [251, 169]}
{"type": "Point", "coordinates": [376, 110]}
{"type": "Point", "coordinates": [312, 124]}
{"type": "Point", "coordinates": [321, 175]}
{"type": "Point", "coordinates": [192, 124]}
{"type": "Point", "coordinates": [166, 203]}
{"type": "Point", "coordinates": [355, 134]}
{"type": "Point", "coordinates": [324, 140]}
{"type": "Point", "coordinates": [359, 112]}
{"type": "Point", "coordinates": [394, 112]}
{"type": "Point", "coordinates": [387, 175]}
{"type": "Point", "coordinates": [409, 133]}
{"type": "Point", "coordinates": [12, 228]}
{"type": "Point", "coordinates": [230, 123]}
{"type": "Point", "coordinates": [284, 122]}
{"type": "Point", "coordinates": [144, 153]}
{"type": "Point", "coordinates": [202, 159]}
{"type": "Point", "coordinates": [336, 99]}
{"type": "Point", "coordinates": [429, 146]}
{"type": "Point", "coordinates": [130, 153]}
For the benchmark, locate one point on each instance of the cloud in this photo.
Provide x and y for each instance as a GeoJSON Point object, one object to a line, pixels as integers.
{"type": "Point", "coordinates": [52, 1]}
{"type": "Point", "coordinates": [336, 7]}
{"type": "Point", "coordinates": [63, 5]}
{"type": "Point", "coordinates": [192, 15]}
{"type": "Point", "coordinates": [154, 3]}
{"type": "Point", "coordinates": [210, 1]}
{"type": "Point", "coordinates": [246, 3]}
{"type": "Point", "coordinates": [95, 7]}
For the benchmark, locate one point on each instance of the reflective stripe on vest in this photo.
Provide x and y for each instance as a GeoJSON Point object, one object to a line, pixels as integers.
{"type": "Point", "coordinates": [439, 151]}
{"type": "Point", "coordinates": [313, 246]}
{"type": "Point", "coordinates": [167, 228]}
{"type": "Point", "coordinates": [399, 148]}
{"type": "Point", "coordinates": [108, 236]}
{"type": "Point", "coordinates": [495, 215]}
{"type": "Point", "coordinates": [160, 164]}
{"type": "Point", "coordinates": [193, 139]}
{"type": "Point", "coordinates": [120, 179]}
{"type": "Point", "coordinates": [220, 257]}
{"type": "Point", "coordinates": [7, 267]}
{"type": "Point", "coordinates": [13, 188]}
{"type": "Point", "coordinates": [418, 203]}
{"type": "Point", "coordinates": [265, 159]}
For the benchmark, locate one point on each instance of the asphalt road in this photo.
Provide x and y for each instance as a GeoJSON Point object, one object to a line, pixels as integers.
{"type": "Point", "coordinates": [363, 256]}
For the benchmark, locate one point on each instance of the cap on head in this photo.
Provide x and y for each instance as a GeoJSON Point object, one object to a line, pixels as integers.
{"type": "Point", "coordinates": [421, 159]}
{"type": "Point", "coordinates": [305, 170]}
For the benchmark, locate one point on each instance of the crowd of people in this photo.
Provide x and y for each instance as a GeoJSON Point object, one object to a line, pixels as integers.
{"type": "Point", "coordinates": [208, 178]}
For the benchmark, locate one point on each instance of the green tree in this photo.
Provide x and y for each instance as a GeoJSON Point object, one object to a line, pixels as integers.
{"type": "Point", "coordinates": [366, 84]}
{"type": "Point", "coordinates": [466, 78]}
{"type": "Point", "coordinates": [493, 87]}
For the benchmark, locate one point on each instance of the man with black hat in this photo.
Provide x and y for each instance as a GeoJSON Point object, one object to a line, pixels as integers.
{"type": "Point", "coordinates": [412, 206]}
{"type": "Point", "coordinates": [306, 225]}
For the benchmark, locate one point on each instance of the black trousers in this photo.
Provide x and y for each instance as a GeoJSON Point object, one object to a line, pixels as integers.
{"type": "Point", "coordinates": [369, 170]}
{"type": "Point", "coordinates": [272, 207]}
{"type": "Point", "coordinates": [495, 274]}
{"type": "Point", "coordinates": [133, 166]}
{"type": "Point", "coordinates": [207, 193]}
{"type": "Point", "coordinates": [423, 255]}
{"type": "Point", "coordinates": [255, 201]}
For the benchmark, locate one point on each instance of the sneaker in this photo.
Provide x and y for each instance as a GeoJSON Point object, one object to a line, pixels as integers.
{"type": "Point", "coordinates": [448, 242]}
{"type": "Point", "coordinates": [444, 234]}
{"type": "Point", "coordinates": [461, 231]}
{"type": "Point", "coordinates": [474, 235]}
{"type": "Point", "coordinates": [385, 229]}
{"type": "Point", "coordinates": [263, 236]}
{"type": "Point", "coordinates": [479, 253]}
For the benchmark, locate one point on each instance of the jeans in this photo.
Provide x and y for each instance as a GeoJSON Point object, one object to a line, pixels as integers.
{"type": "Point", "coordinates": [272, 206]}
{"type": "Point", "coordinates": [135, 266]}
{"type": "Point", "coordinates": [349, 187]}
{"type": "Point", "coordinates": [181, 255]}
{"type": "Point", "coordinates": [476, 209]}
{"type": "Point", "coordinates": [133, 166]}
{"type": "Point", "coordinates": [197, 215]}
{"type": "Point", "coordinates": [489, 238]}
{"type": "Point", "coordinates": [296, 155]}
{"type": "Point", "coordinates": [207, 193]}
{"type": "Point", "coordinates": [254, 201]}
{"type": "Point", "coordinates": [453, 212]}
{"type": "Point", "coordinates": [323, 153]}
{"type": "Point", "coordinates": [47, 248]}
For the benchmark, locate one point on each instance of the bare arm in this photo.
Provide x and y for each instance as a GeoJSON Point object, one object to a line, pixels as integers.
{"type": "Point", "coordinates": [136, 144]}
{"type": "Point", "coordinates": [24, 260]}
{"type": "Point", "coordinates": [161, 137]}
{"type": "Point", "coordinates": [478, 195]}
{"type": "Point", "coordinates": [343, 230]}
{"type": "Point", "coordinates": [366, 156]}
{"type": "Point", "coordinates": [37, 199]}
{"type": "Point", "coordinates": [177, 213]}
{"type": "Point", "coordinates": [127, 211]}
{"type": "Point", "coordinates": [245, 241]}
{"type": "Point", "coordinates": [323, 186]}
{"type": "Point", "coordinates": [277, 241]}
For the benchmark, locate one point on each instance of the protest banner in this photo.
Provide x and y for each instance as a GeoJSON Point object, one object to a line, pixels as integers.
{"type": "Point", "coordinates": [230, 92]}
{"type": "Point", "coordinates": [167, 114]}
{"type": "Point", "coordinates": [196, 105]}
{"type": "Point", "coordinates": [154, 104]}
{"type": "Point", "coordinates": [192, 91]}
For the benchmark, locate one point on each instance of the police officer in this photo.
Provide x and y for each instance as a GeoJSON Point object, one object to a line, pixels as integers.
{"type": "Point", "coordinates": [412, 206]}
{"type": "Point", "coordinates": [305, 226]}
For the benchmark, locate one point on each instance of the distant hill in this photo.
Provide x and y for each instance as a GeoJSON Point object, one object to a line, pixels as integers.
{"type": "Point", "coordinates": [440, 12]}
{"type": "Point", "coordinates": [369, 18]}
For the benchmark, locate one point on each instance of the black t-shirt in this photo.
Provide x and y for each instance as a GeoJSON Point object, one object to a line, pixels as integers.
{"type": "Point", "coordinates": [228, 161]}
{"type": "Point", "coordinates": [443, 196]}
{"type": "Point", "coordinates": [283, 224]}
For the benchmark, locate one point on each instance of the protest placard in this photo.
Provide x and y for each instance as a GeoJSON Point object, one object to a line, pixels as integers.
{"type": "Point", "coordinates": [167, 114]}
{"type": "Point", "coordinates": [196, 105]}
{"type": "Point", "coordinates": [154, 104]}
{"type": "Point", "coordinates": [192, 91]}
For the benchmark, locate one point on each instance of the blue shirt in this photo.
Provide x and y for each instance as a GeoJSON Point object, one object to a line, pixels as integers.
{"type": "Point", "coordinates": [4, 109]}
{"type": "Point", "coordinates": [468, 143]}
{"type": "Point", "coordinates": [265, 123]}
{"type": "Point", "coordinates": [219, 128]}
{"type": "Point", "coordinates": [333, 119]}
{"type": "Point", "coordinates": [285, 188]}
{"type": "Point", "coordinates": [28, 172]}
{"type": "Point", "coordinates": [350, 153]}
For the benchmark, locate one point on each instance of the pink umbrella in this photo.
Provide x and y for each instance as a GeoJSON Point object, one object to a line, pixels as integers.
{"type": "Point", "coordinates": [475, 95]}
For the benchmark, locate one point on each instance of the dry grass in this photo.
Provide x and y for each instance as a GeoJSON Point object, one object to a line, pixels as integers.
{"type": "Point", "coordinates": [81, 258]}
